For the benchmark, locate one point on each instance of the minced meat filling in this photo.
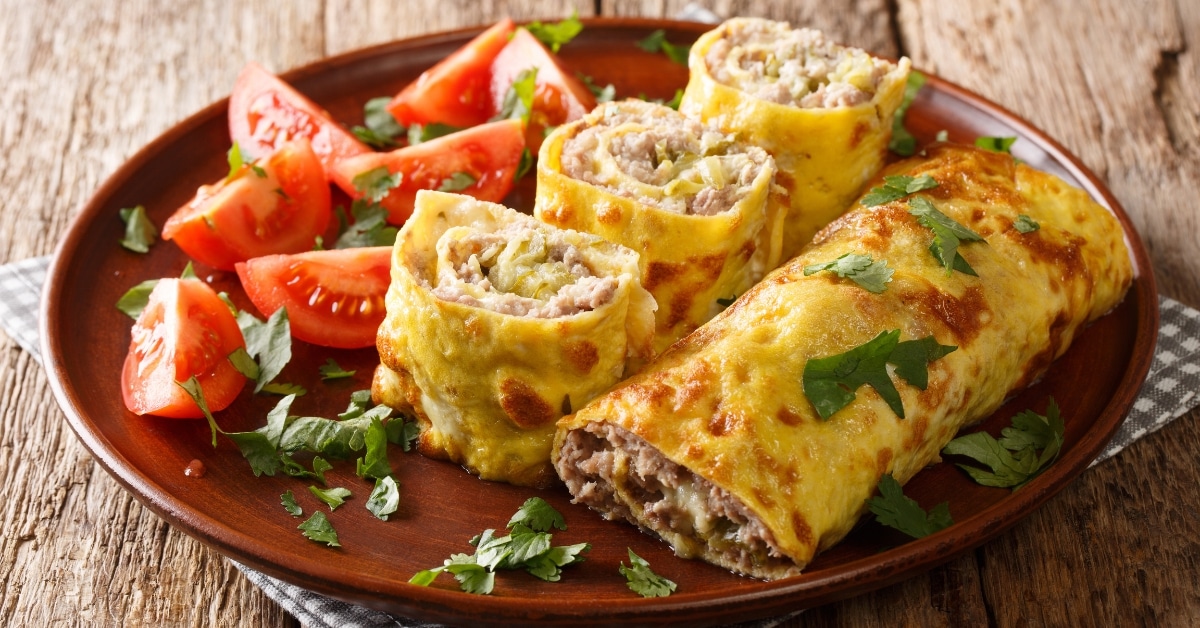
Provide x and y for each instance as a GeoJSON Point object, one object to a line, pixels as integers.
{"type": "Point", "coordinates": [620, 475]}
{"type": "Point", "coordinates": [656, 155]}
{"type": "Point", "coordinates": [798, 67]}
{"type": "Point", "coordinates": [519, 271]}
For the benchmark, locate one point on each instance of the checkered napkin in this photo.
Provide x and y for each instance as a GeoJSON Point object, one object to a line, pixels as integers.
{"type": "Point", "coordinates": [1171, 389]}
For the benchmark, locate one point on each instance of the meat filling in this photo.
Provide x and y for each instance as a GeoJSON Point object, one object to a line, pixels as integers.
{"type": "Point", "coordinates": [654, 154]}
{"type": "Point", "coordinates": [799, 67]}
{"type": "Point", "coordinates": [620, 475]}
{"type": "Point", "coordinates": [519, 271]}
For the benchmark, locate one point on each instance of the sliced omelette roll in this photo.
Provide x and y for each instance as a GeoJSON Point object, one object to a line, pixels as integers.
{"type": "Point", "coordinates": [700, 208]}
{"type": "Point", "coordinates": [824, 111]}
{"type": "Point", "coordinates": [497, 325]}
{"type": "Point", "coordinates": [755, 442]}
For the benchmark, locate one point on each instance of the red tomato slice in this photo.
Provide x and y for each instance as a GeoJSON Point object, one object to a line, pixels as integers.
{"type": "Point", "coordinates": [559, 97]}
{"type": "Point", "coordinates": [265, 113]}
{"type": "Point", "coordinates": [489, 153]}
{"type": "Point", "coordinates": [333, 298]}
{"type": "Point", "coordinates": [456, 91]}
{"type": "Point", "coordinates": [279, 205]}
{"type": "Point", "coordinates": [186, 330]}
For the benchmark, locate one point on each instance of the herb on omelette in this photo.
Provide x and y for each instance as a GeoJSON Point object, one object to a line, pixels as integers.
{"type": "Point", "coordinates": [903, 142]}
{"type": "Point", "coordinates": [642, 580]}
{"type": "Point", "coordinates": [381, 128]}
{"type": "Point", "coordinates": [140, 233]}
{"type": "Point", "coordinates": [896, 187]}
{"type": "Point", "coordinates": [872, 275]}
{"type": "Point", "coordinates": [555, 35]}
{"type": "Point", "coordinates": [895, 510]}
{"type": "Point", "coordinates": [947, 235]}
{"type": "Point", "coordinates": [996, 144]}
{"type": "Point", "coordinates": [528, 546]}
{"type": "Point", "coordinates": [830, 382]}
{"type": "Point", "coordinates": [657, 42]}
{"type": "Point", "coordinates": [1013, 459]}
{"type": "Point", "coordinates": [1025, 224]}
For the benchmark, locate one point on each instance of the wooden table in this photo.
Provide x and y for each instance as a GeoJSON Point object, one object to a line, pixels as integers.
{"type": "Point", "coordinates": [85, 83]}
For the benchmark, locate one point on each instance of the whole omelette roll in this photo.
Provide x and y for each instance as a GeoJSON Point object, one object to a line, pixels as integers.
{"type": "Point", "coordinates": [700, 208]}
{"type": "Point", "coordinates": [715, 446]}
{"type": "Point", "coordinates": [824, 111]}
{"type": "Point", "coordinates": [497, 325]}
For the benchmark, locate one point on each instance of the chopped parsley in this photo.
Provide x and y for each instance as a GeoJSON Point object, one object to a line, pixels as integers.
{"type": "Point", "coordinates": [420, 133]}
{"type": "Point", "coordinates": [896, 187]}
{"type": "Point", "coordinates": [332, 370]}
{"type": "Point", "coordinates": [237, 160]}
{"type": "Point", "coordinates": [1025, 224]}
{"type": "Point", "coordinates": [903, 142]}
{"type": "Point", "coordinates": [675, 100]}
{"type": "Point", "coordinates": [370, 226]}
{"type": "Point", "coordinates": [457, 182]}
{"type": "Point", "coordinates": [385, 498]}
{"type": "Point", "coordinates": [657, 42]}
{"type": "Point", "coordinates": [947, 235]}
{"type": "Point", "coordinates": [374, 462]}
{"type": "Point", "coordinates": [318, 528]}
{"type": "Point", "coordinates": [872, 275]}
{"type": "Point", "coordinates": [895, 510]}
{"type": "Point", "coordinates": [1013, 460]}
{"type": "Point", "coordinates": [518, 100]}
{"type": "Point", "coordinates": [333, 497]}
{"type": "Point", "coordinates": [381, 128]}
{"type": "Point", "coordinates": [525, 165]}
{"type": "Point", "coordinates": [140, 233]}
{"type": "Point", "coordinates": [555, 35]}
{"type": "Point", "coordinates": [269, 344]}
{"type": "Point", "coordinates": [289, 504]}
{"type": "Point", "coordinates": [641, 580]}
{"type": "Point", "coordinates": [830, 382]}
{"type": "Point", "coordinates": [942, 136]}
{"type": "Point", "coordinates": [996, 144]}
{"type": "Point", "coordinates": [376, 183]}
{"type": "Point", "coordinates": [602, 94]}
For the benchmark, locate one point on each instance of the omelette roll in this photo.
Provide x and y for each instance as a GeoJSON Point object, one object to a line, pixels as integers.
{"type": "Point", "coordinates": [824, 111]}
{"type": "Point", "coordinates": [715, 446]}
{"type": "Point", "coordinates": [497, 325]}
{"type": "Point", "coordinates": [700, 208]}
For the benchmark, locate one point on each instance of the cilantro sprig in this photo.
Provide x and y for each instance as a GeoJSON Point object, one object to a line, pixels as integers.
{"type": "Point", "coordinates": [830, 383]}
{"type": "Point", "coordinates": [896, 187]}
{"type": "Point", "coordinates": [528, 546]}
{"type": "Point", "coordinates": [642, 580]}
{"type": "Point", "coordinates": [268, 350]}
{"type": "Point", "coordinates": [903, 142]}
{"type": "Point", "coordinates": [871, 274]}
{"type": "Point", "coordinates": [947, 235]}
{"type": "Point", "coordinates": [657, 42]}
{"type": "Point", "coordinates": [1012, 460]}
{"type": "Point", "coordinates": [555, 35]}
{"type": "Point", "coordinates": [894, 509]}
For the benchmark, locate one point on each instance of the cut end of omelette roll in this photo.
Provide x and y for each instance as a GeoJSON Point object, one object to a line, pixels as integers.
{"type": "Point", "coordinates": [699, 206]}
{"type": "Point", "coordinates": [498, 325]}
{"type": "Point", "coordinates": [823, 110]}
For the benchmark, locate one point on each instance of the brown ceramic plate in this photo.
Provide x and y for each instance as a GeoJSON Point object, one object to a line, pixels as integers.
{"type": "Point", "coordinates": [85, 339]}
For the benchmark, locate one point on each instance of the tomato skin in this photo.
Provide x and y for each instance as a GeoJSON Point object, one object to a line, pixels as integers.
{"type": "Point", "coordinates": [185, 330]}
{"type": "Point", "coordinates": [265, 113]}
{"type": "Point", "coordinates": [334, 298]}
{"type": "Point", "coordinates": [456, 91]}
{"type": "Point", "coordinates": [252, 215]}
{"type": "Point", "coordinates": [560, 97]}
{"type": "Point", "coordinates": [489, 152]}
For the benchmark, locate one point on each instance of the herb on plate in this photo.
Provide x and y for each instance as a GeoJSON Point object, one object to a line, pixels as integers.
{"type": "Point", "coordinates": [872, 275]}
{"type": "Point", "coordinates": [555, 35]}
{"type": "Point", "coordinates": [903, 142]}
{"type": "Point", "coordinates": [381, 129]}
{"type": "Point", "coordinates": [140, 233]}
{"type": "Point", "coordinates": [318, 528]}
{"type": "Point", "coordinates": [457, 182]}
{"type": "Point", "coordinates": [518, 100]}
{"type": "Point", "coordinates": [421, 133]}
{"type": "Point", "coordinates": [657, 42]}
{"type": "Point", "coordinates": [894, 509]}
{"type": "Point", "coordinates": [332, 370]}
{"type": "Point", "coordinates": [1013, 459]}
{"type": "Point", "coordinates": [996, 144]}
{"type": "Point", "coordinates": [333, 497]}
{"type": "Point", "coordinates": [289, 504]}
{"type": "Point", "coordinates": [642, 580]}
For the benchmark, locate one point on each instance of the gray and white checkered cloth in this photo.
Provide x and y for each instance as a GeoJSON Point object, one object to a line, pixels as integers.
{"type": "Point", "coordinates": [1171, 389]}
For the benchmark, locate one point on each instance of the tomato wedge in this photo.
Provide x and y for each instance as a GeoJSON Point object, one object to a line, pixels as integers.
{"type": "Point", "coordinates": [265, 113]}
{"type": "Point", "coordinates": [185, 331]}
{"type": "Point", "coordinates": [278, 205]}
{"type": "Point", "coordinates": [489, 154]}
{"type": "Point", "coordinates": [334, 298]}
{"type": "Point", "coordinates": [456, 91]}
{"type": "Point", "coordinates": [559, 97]}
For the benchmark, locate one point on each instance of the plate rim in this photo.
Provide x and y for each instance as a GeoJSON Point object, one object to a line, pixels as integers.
{"type": "Point", "coordinates": [768, 598]}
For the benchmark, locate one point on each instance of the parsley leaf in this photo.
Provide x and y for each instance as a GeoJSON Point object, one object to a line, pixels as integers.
{"type": "Point", "coordinates": [830, 382]}
{"type": "Point", "coordinates": [1025, 224]}
{"type": "Point", "coordinates": [457, 182]}
{"type": "Point", "coordinates": [374, 464]}
{"type": "Point", "coordinates": [556, 34]}
{"type": "Point", "coordinates": [641, 580]}
{"type": "Point", "coordinates": [538, 515]}
{"type": "Point", "coordinates": [903, 142]}
{"type": "Point", "coordinates": [420, 133]}
{"type": "Point", "coordinates": [896, 187]}
{"type": "Point", "coordinates": [136, 298]}
{"type": "Point", "coordinates": [657, 42]}
{"type": "Point", "coordinates": [947, 235]}
{"type": "Point", "coordinates": [1012, 461]}
{"type": "Point", "coordinates": [370, 226]}
{"type": "Point", "coordinates": [270, 343]}
{"type": "Point", "coordinates": [872, 275]}
{"type": "Point", "coordinates": [385, 498]}
{"type": "Point", "coordinates": [675, 100]}
{"type": "Point", "coordinates": [375, 183]}
{"type": "Point", "coordinates": [402, 432]}
{"type": "Point", "coordinates": [381, 128]}
{"type": "Point", "coordinates": [332, 370]}
{"type": "Point", "coordinates": [525, 165]}
{"type": "Point", "coordinates": [518, 100]}
{"type": "Point", "coordinates": [318, 528]}
{"type": "Point", "coordinates": [140, 233]}
{"type": "Point", "coordinates": [602, 94]}
{"type": "Point", "coordinates": [996, 144]}
{"type": "Point", "coordinates": [333, 497]}
{"type": "Point", "coordinates": [289, 503]}
{"type": "Point", "coordinates": [893, 509]}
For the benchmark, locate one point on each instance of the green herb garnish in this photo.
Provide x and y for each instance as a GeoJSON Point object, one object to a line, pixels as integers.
{"type": "Point", "coordinates": [421, 133]}
{"type": "Point", "coordinates": [332, 370]}
{"type": "Point", "coordinates": [903, 142]}
{"type": "Point", "coordinates": [140, 233]}
{"type": "Point", "coordinates": [555, 35]}
{"type": "Point", "coordinates": [333, 497]}
{"type": "Point", "coordinates": [1013, 460]}
{"type": "Point", "coordinates": [457, 182]}
{"type": "Point", "coordinates": [289, 504]}
{"type": "Point", "coordinates": [269, 344]}
{"type": "Point", "coordinates": [375, 183]}
{"type": "Point", "coordinates": [385, 498]}
{"type": "Point", "coordinates": [1025, 224]}
{"type": "Point", "coordinates": [996, 144]}
{"type": "Point", "coordinates": [641, 580]}
{"type": "Point", "coordinates": [868, 273]}
{"type": "Point", "coordinates": [895, 510]}
{"type": "Point", "coordinates": [657, 42]}
{"type": "Point", "coordinates": [947, 235]}
{"type": "Point", "coordinates": [896, 187]}
{"type": "Point", "coordinates": [381, 128]}
{"type": "Point", "coordinates": [518, 100]}
{"type": "Point", "coordinates": [318, 528]}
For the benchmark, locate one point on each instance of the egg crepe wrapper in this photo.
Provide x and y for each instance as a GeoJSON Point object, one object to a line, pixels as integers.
{"type": "Point", "coordinates": [486, 383]}
{"type": "Point", "coordinates": [714, 446]}
{"type": "Point", "coordinates": [825, 151]}
{"type": "Point", "coordinates": [691, 262]}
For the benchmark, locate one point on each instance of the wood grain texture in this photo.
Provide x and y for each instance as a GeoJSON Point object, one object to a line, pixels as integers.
{"type": "Point", "coordinates": [89, 82]}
